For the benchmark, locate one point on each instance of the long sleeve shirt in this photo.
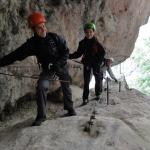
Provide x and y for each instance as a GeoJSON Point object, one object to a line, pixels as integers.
{"type": "Point", "coordinates": [51, 49]}
{"type": "Point", "coordinates": [89, 56]}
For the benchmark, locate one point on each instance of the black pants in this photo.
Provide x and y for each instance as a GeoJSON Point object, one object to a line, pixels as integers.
{"type": "Point", "coordinates": [87, 77]}
{"type": "Point", "coordinates": [42, 88]}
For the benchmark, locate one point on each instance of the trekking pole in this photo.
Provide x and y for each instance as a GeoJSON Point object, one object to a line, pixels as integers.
{"type": "Point", "coordinates": [107, 91]}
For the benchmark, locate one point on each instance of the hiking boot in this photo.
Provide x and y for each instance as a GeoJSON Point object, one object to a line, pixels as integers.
{"type": "Point", "coordinates": [71, 112]}
{"type": "Point", "coordinates": [97, 98]}
{"type": "Point", "coordinates": [116, 80]}
{"type": "Point", "coordinates": [85, 101]}
{"type": "Point", "coordinates": [38, 121]}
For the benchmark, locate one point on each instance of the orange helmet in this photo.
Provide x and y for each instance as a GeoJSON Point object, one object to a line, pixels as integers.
{"type": "Point", "coordinates": [36, 18]}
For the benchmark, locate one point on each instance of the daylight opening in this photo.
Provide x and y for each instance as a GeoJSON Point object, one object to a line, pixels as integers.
{"type": "Point", "coordinates": [137, 67]}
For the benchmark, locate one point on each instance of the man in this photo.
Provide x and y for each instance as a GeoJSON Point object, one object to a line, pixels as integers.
{"type": "Point", "coordinates": [50, 50]}
{"type": "Point", "coordinates": [92, 53]}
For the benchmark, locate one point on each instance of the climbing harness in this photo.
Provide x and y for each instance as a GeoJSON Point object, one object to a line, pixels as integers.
{"type": "Point", "coordinates": [77, 61]}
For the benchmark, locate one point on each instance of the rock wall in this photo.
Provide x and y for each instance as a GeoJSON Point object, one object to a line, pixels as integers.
{"type": "Point", "coordinates": [117, 22]}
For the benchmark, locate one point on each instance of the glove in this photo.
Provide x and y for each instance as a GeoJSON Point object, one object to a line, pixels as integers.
{"type": "Point", "coordinates": [116, 80]}
{"type": "Point", "coordinates": [51, 67]}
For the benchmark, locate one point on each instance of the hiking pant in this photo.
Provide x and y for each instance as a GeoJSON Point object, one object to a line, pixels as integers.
{"type": "Point", "coordinates": [42, 89]}
{"type": "Point", "coordinates": [87, 77]}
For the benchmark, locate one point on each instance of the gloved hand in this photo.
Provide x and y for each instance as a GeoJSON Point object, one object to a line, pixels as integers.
{"type": "Point", "coordinates": [116, 80]}
{"type": "Point", "coordinates": [70, 56]}
{"type": "Point", "coordinates": [51, 67]}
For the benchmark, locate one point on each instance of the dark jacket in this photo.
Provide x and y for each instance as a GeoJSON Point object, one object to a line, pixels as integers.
{"type": "Point", "coordinates": [89, 56]}
{"type": "Point", "coordinates": [51, 49]}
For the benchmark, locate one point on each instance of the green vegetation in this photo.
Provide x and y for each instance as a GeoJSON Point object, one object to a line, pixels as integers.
{"type": "Point", "coordinates": [141, 58]}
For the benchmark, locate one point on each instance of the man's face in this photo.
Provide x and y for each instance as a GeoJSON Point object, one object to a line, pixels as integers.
{"type": "Point", "coordinates": [89, 33]}
{"type": "Point", "coordinates": [41, 30]}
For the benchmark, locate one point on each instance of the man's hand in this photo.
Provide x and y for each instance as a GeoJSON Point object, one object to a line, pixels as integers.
{"type": "Point", "coordinates": [51, 67]}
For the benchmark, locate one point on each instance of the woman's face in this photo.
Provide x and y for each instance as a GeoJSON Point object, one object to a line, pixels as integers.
{"type": "Point", "coordinates": [89, 33]}
{"type": "Point", "coordinates": [41, 30]}
{"type": "Point", "coordinates": [108, 62]}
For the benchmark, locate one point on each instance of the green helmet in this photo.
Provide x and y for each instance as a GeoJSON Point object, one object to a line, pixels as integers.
{"type": "Point", "coordinates": [90, 25]}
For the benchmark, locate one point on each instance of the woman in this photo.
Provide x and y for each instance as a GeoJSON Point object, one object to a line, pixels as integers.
{"type": "Point", "coordinates": [92, 53]}
{"type": "Point", "coordinates": [107, 67]}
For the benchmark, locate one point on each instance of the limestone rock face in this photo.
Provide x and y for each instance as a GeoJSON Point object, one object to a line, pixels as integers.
{"type": "Point", "coordinates": [117, 22]}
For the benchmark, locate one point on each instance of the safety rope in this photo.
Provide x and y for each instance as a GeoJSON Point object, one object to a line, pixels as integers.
{"type": "Point", "coordinates": [37, 76]}
{"type": "Point", "coordinates": [77, 61]}
{"type": "Point", "coordinates": [31, 77]}
{"type": "Point", "coordinates": [24, 76]}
